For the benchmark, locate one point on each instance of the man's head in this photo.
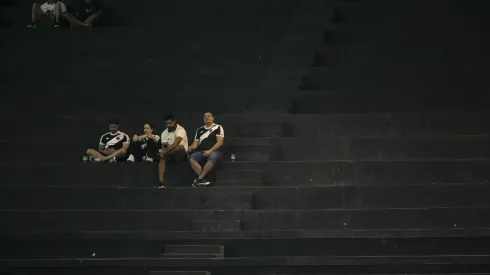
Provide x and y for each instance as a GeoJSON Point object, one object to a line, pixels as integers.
{"type": "Point", "coordinates": [208, 118]}
{"type": "Point", "coordinates": [170, 122]}
{"type": "Point", "coordinates": [113, 125]}
{"type": "Point", "coordinates": [148, 128]}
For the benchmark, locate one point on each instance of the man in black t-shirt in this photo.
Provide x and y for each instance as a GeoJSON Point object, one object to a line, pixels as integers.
{"type": "Point", "coordinates": [205, 149]}
{"type": "Point", "coordinates": [87, 11]}
{"type": "Point", "coordinates": [112, 146]}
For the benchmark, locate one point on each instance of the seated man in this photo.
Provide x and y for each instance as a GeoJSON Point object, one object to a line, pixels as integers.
{"type": "Point", "coordinates": [207, 141]}
{"type": "Point", "coordinates": [146, 145]}
{"type": "Point", "coordinates": [55, 10]}
{"type": "Point", "coordinates": [174, 145]}
{"type": "Point", "coordinates": [113, 145]}
{"type": "Point", "coordinates": [88, 11]}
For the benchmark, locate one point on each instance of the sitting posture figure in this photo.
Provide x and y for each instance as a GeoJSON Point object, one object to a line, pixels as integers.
{"type": "Point", "coordinates": [112, 146]}
{"type": "Point", "coordinates": [174, 145]}
{"type": "Point", "coordinates": [205, 149]}
{"type": "Point", "coordinates": [88, 11]}
{"type": "Point", "coordinates": [144, 146]}
{"type": "Point", "coordinates": [55, 10]}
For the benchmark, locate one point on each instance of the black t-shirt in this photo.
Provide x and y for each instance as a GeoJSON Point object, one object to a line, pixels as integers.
{"type": "Point", "coordinates": [83, 7]}
{"type": "Point", "coordinates": [114, 141]}
{"type": "Point", "coordinates": [207, 136]}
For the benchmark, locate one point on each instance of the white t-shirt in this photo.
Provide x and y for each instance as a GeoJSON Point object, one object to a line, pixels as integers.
{"type": "Point", "coordinates": [170, 137]}
{"type": "Point", "coordinates": [48, 7]}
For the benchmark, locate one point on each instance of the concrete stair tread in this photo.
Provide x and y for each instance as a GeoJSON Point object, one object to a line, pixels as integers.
{"type": "Point", "coordinates": [441, 218]}
{"type": "Point", "coordinates": [194, 249]}
{"type": "Point", "coordinates": [250, 261]}
{"type": "Point", "coordinates": [180, 273]}
{"type": "Point", "coordinates": [246, 198]}
{"type": "Point", "coordinates": [275, 173]}
{"type": "Point", "coordinates": [258, 234]}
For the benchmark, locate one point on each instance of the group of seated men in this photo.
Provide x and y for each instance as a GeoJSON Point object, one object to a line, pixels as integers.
{"type": "Point", "coordinates": [203, 153]}
{"type": "Point", "coordinates": [82, 13]}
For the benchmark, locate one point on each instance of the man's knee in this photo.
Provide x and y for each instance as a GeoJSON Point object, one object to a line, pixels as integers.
{"type": "Point", "coordinates": [90, 151]}
{"type": "Point", "coordinates": [122, 152]}
{"type": "Point", "coordinates": [215, 156]}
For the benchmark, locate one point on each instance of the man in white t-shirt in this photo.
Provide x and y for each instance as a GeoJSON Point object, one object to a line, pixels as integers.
{"type": "Point", "coordinates": [55, 10]}
{"type": "Point", "coordinates": [174, 145]}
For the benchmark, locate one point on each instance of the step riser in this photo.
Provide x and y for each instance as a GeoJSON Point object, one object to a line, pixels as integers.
{"type": "Point", "coordinates": [223, 221]}
{"type": "Point", "coordinates": [275, 173]}
{"type": "Point", "coordinates": [370, 197]}
{"type": "Point", "coordinates": [251, 247]}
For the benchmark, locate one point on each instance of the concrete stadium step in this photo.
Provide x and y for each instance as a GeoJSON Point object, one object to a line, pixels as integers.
{"type": "Point", "coordinates": [305, 173]}
{"type": "Point", "coordinates": [317, 101]}
{"type": "Point", "coordinates": [193, 249]}
{"type": "Point", "coordinates": [284, 149]}
{"type": "Point", "coordinates": [234, 221]}
{"type": "Point", "coordinates": [300, 263]}
{"type": "Point", "coordinates": [180, 273]}
{"type": "Point", "coordinates": [244, 198]}
{"type": "Point", "coordinates": [266, 125]}
{"type": "Point", "coordinates": [238, 248]}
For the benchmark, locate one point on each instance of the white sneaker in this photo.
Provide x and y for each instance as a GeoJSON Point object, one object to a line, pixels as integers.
{"type": "Point", "coordinates": [113, 160]}
{"type": "Point", "coordinates": [149, 159]}
{"type": "Point", "coordinates": [130, 158]}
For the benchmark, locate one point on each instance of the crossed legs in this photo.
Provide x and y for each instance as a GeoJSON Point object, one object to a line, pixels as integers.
{"type": "Point", "coordinates": [196, 158]}
{"type": "Point", "coordinates": [178, 152]}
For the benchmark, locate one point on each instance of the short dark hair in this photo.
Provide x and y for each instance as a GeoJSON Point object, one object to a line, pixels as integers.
{"type": "Point", "coordinates": [113, 121]}
{"type": "Point", "coordinates": [169, 117]}
{"type": "Point", "coordinates": [151, 125]}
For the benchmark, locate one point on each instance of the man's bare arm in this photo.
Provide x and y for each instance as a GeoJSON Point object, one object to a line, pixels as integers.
{"type": "Point", "coordinates": [194, 145]}
{"type": "Point", "coordinates": [219, 143]}
{"type": "Point", "coordinates": [175, 144]}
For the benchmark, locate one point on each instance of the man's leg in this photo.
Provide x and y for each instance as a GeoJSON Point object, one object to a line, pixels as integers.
{"type": "Point", "coordinates": [90, 20]}
{"type": "Point", "coordinates": [194, 160]}
{"type": "Point", "coordinates": [94, 153]}
{"type": "Point", "coordinates": [72, 19]}
{"type": "Point", "coordinates": [35, 13]}
{"type": "Point", "coordinates": [177, 152]}
{"type": "Point", "coordinates": [161, 169]}
{"type": "Point", "coordinates": [117, 154]}
{"type": "Point", "coordinates": [57, 13]}
{"type": "Point", "coordinates": [213, 158]}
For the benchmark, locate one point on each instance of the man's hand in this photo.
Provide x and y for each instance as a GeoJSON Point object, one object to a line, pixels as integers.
{"type": "Point", "coordinates": [135, 138]}
{"type": "Point", "coordinates": [206, 153]}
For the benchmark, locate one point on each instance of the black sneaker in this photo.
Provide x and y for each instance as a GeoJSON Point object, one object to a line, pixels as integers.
{"type": "Point", "coordinates": [203, 183]}
{"type": "Point", "coordinates": [196, 182]}
{"type": "Point", "coordinates": [160, 185]}
{"type": "Point", "coordinates": [32, 25]}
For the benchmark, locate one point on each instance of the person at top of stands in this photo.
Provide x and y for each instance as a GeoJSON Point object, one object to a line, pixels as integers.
{"type": "Point", "coordinates": [144, 146]}
{"type": "Point", "coordinates": [88, 11]}
{"type": "Point", "coordinates": [113, 145]}
{"type": "Point", "coordinates": [174, 145]}
{"type": "Point", "coordinates": [55, 10]}
{"type": "Point", "coordinates": [205, 149]}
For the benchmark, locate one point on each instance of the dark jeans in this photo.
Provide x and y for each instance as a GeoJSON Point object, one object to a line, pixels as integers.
{"type": "Point", "coordinates": [138, 150]}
